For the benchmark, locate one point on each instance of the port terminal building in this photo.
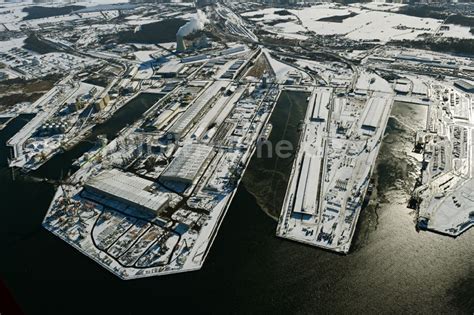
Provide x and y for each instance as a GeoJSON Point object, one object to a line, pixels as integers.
{"type": "Point", "coordinates": [308, 189]}
{"type": "Point", "coordinates": [321, 106]}
{"type": "Point", "coordinates": [464, 86]}
{"type": "Point", "coordinates": [188, 164]}
{"type": "Point", "coordinates": [128, 189]}
{"type": "Point", "coordinates": [372, 115]}
{"type": "Point", "coordinates": [196, 109]}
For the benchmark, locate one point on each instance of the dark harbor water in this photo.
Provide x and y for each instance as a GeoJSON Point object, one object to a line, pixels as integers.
{"type": "Point", "coordinates": [391, 269]}
{"type": "Point", "coordinates": [268, 173]}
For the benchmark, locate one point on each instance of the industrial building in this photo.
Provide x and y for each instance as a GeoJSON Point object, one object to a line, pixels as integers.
{"type": "Point", "coordinates": [321, 106]}
{"type": "Point", "coordinates": [193, 112]}
{"type": "Point", "coordinates": [464, 85]}
{"type": "Point", "coordinates": [102, 102]}
{"type": "Point", "coordinates": [188, 163]}
{"type": "Point", "coordinates": [233, 50]}
{"type": "Point", "coordinates": [76, 105]}
{"type": "Point", "coordinates": [170, 69]}
{"type": "Point", "coordinates": [372, 113]}
{"type": "Point", "coordinates": [307, 194]}
{"type": "Point", "coordinates": [415, 58]}
{"type": "Point", "coordinates": [402, 86]}
{"type": "Point", "coordinates": [195, 58]}
{"type": "Point", "coordinates": [127, 188]}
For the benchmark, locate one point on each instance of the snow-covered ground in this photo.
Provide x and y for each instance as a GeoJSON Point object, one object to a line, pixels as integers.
{"type": "Point", "coordinates": [289, 30]}
{"type": "Point", "coordinates": [12, 14]}
{"type": "Point", "coordinates": [335, 73]}
{"type": "Point", "coordinates": [6, 45]}
{"type": "Point", "coordinates": [146, 55]}
{"type": "Point", "coordinates": [370, 25]}
{"type": "Point", "coordinates": [367, 24]}
{"type": "Point", "coordinates": [372, 82]}
{"type": "Point", "coordinates": [282, 71]}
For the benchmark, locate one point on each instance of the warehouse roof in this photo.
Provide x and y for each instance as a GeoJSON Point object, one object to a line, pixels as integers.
{"type": "Point", "coordinates": [196, 107]}
{"type": "Point", "coordinates": [306, 200]}
{"type": "Point", "coordinates": [464, 85]}
{"type": "Point", "coordinates": [321, 103]}
{"type": "Point", "coordinates": [373, 112]}
{"type": "Point", "coordinates": [186, 165]}
{"type": "Point", "coordinates": [128, 187]}
{"type": "Point", "coordinates": [170, 67]}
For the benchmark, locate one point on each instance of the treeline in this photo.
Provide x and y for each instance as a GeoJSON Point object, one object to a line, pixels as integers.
{"type": "Point", "coordinates": [426, 11]}
{"type": "Point", "coordinates": [449, 44]}
{"type": "Point", "coordinates": [38, 12]}
{"type": "Point", "coordinates": [34, 44]}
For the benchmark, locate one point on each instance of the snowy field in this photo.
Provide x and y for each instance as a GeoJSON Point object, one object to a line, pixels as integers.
{"type": "Point", "coordinates": [6, 45]}
{"type": "Point", "coordinates": [289, 29]}
{"type": "Point", "coordinates": [11, 14]}
{"type": "Point", "coordinates": [282, 70]}
{"type": "Point", "coordinates": [364, 24]}
{"type": "Point", "coordinates": [269, 15]}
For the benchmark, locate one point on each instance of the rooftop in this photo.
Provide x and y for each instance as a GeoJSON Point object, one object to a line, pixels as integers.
{"type": "Point", "coordinates": [464, 84]}
{"type": "Point", "coordinates": [187, 163]}
{"type": "Point", "coordinates": [128, 187]}
{"type": "Point", "coordinates": [373, 112]}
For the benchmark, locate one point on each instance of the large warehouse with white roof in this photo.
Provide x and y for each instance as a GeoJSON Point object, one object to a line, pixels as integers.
{"type": "Point", "coordinates": [321, 106]}
{"type": "Point", "coordinates": [373, 112]}
{"type": "Point", "coordinates": [180, 127]}
{"type": "Point", "coordinates": [127, 188]}
{"type": "Point", "coordinates": [188, 163]}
